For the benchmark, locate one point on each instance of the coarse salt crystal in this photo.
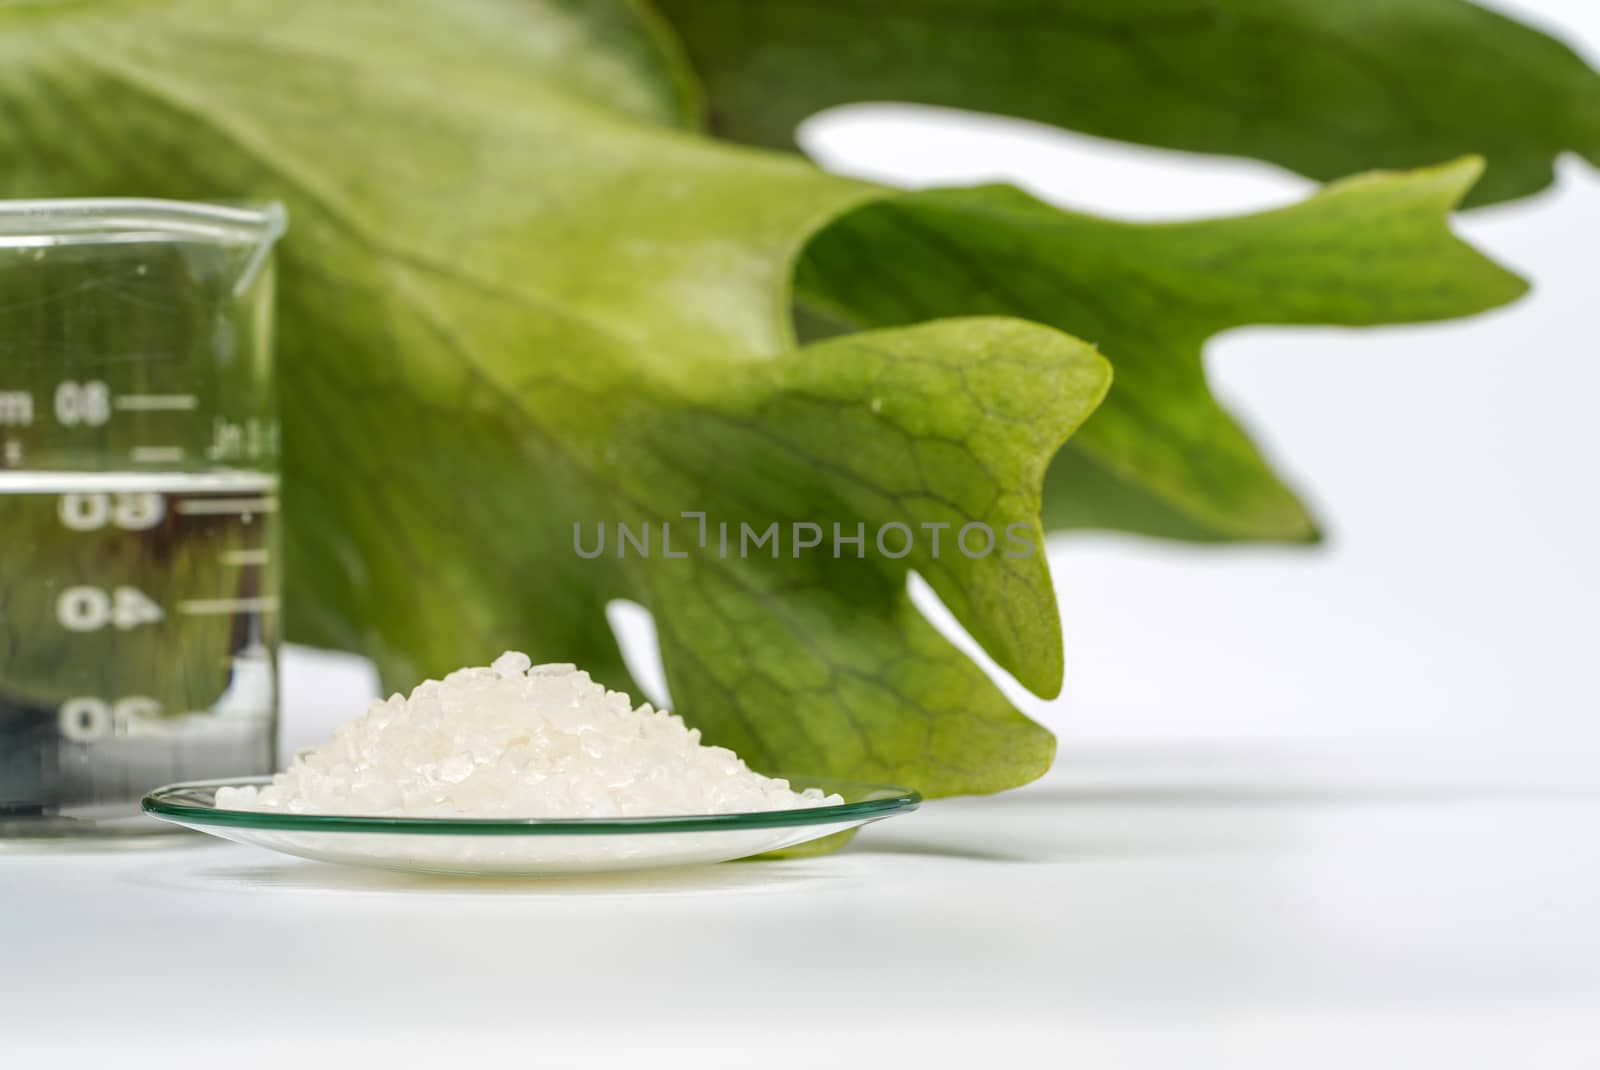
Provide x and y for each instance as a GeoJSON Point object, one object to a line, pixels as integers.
{"type": "Point", "coordinates": [518, 740]}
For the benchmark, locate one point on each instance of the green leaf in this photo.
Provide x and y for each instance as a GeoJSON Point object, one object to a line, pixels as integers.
{"type": "Point", "coordinates": [1161, 456]}
{"type": "Point", "coordinates": [1323, 87]}
{"type": "Point", "coordinates": [948, 423]}
{"type": "Point", "coordinates": [519, 294]}
{"type": "Point", "coordinates": [501, 319]}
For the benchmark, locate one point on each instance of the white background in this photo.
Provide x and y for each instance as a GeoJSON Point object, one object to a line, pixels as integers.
{"type": "Point", "coordinates": [1328, 808]}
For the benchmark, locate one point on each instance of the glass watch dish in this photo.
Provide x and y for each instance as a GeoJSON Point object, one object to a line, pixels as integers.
{"type": "Point", "coordinates": [527, 846]}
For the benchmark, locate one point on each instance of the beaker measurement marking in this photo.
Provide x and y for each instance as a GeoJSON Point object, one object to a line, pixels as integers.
{"type": "Point", "coordinates": [251, 439]}
{"type": "Point", "coordinates": [88, 718]}
{"type": "Point", "coordinates": [226, 506]}
{"type": "Point", "coordinates": [128, 510]}
{"type": "Point", "coordinates": [16, 408]}
{"type": "Point", "coordinates": [89, 609]}
{"type": "Point", "coordinates": [156, 453]}
{"type": "Point", "coordinates": [155, 402]}
{"type": "Point", "coordinates": [85, 404]}
{"type": "Point", "coordinates": [205, 606]}
{"type": "Point", "coordinates": [245, 557]}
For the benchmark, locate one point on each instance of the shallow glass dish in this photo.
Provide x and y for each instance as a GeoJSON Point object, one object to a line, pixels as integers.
{"type": "Point", "coordinates": [528, 846]}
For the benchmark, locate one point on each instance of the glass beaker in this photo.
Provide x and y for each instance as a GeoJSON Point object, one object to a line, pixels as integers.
{"type": "Point", "coordinates": [139, 588]}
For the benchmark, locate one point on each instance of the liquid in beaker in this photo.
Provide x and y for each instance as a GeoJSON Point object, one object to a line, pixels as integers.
{"type": "Point", "coordinates": [139, 595]}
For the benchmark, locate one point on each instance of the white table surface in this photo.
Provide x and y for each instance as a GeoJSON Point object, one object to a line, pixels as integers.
{"type": "Point", "coordinates": [1138, 907]}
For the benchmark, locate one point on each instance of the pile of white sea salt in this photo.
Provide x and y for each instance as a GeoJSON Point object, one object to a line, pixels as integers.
{"type": "Point", "coordinates": [518, 740]}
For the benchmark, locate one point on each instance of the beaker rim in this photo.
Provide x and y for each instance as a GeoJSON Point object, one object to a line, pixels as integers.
{"type": "Point", "coordinates": [110, 220]}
